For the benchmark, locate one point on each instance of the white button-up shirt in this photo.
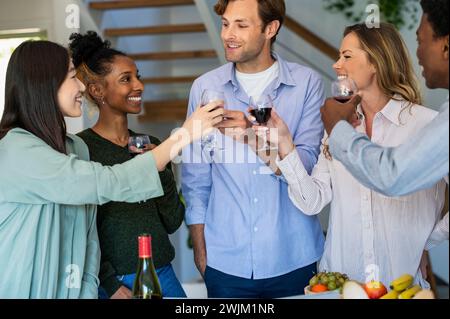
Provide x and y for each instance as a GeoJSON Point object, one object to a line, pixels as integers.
{"type": "Point", "coordinates": [370, 236]}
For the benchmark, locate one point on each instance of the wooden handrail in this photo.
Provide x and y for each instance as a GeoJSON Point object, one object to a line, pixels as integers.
{"type": "Point", "coordinates": [311, 38]}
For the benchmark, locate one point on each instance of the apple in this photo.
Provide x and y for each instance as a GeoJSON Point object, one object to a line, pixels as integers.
{"type": "Point", "coordinates": [375, 289]}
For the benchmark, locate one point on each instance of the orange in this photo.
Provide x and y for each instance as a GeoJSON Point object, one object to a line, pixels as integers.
{"type": "Point", "coordinates": [319, 288]}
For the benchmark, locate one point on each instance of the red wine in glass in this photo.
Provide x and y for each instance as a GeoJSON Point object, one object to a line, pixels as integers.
{"type": "Point", "coordinates": [343, 89]}
{"type": "Point", "coordinates": [343, 99]}
{"type": "Point", "coordinates": [261, 110]}
{"type": "Point", "coordinates": [262, 115]}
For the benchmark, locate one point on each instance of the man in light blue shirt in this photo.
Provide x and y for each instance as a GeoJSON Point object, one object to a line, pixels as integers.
{"type": "Point", "coordinates": [422, 161]}
{"type": "Point", "coordinates": [249, 240]}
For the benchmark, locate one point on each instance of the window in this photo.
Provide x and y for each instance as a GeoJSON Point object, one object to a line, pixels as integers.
{"type": "Point", "coordinates": [9, 41]}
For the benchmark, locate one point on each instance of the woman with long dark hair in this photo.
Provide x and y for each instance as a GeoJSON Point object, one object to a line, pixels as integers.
{"type": "Point", "coordinates": [48, 191]}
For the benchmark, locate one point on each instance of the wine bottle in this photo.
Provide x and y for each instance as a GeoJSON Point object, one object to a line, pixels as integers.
{"type": "Point", "coordinates": [146, 284]}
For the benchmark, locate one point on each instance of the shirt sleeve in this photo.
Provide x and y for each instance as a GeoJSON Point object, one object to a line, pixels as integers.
{"type": "Point", "coordinates": [37, 174]}
{"type": "Point", "coordinates": [170, 209]}
{"type": "Point", "coordinates": [196, 173]}
{"type": "Point", "coordinates": [90, 281]}
{"type": "Point", "coordinates": [310, 127]}
{"type": "Point", "coordinates": [439, 234]}
{"type": "Point", "coordinates": [312, 193]}
{"type": "Point", "coordinates": [415, 165]}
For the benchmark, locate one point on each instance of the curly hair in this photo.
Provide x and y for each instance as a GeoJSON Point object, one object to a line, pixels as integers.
{"type": "Point", "coordinates": [437, 11]}
{"type": "Point", "coordinates": [92, 57]}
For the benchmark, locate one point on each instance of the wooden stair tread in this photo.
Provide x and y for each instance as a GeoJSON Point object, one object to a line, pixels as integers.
{"type": "Point", "coordinates": [164, 111]}
{"type": "Point", "coordinates": [169, 79]}
{"type": "Point", "coordinates": [127, 4]}
{"type": "Point", "coordinates": [159, 29]}
{"type": "Point", "coordinates": [174, 55]}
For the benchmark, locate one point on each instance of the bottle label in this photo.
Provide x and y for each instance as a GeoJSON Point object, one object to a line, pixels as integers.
{"type": "Point", "coordinates": [145, 247]}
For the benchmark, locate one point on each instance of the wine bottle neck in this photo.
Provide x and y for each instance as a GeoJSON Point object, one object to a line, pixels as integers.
{"type": "Point", "coordinates": [145, 247]}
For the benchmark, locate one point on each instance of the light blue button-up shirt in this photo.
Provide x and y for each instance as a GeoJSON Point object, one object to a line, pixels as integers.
{"type": "Point", "coordinates": [251, 226]}
{"type": "Point", "coordinates": [418, 164]}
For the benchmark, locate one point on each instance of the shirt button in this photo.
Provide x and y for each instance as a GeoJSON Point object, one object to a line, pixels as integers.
{"type": "Point", "coordinates": [254, 172]}
{"type": "Point", "coordinates": [365, 198]}
{"type": "Point", "coordinates": [255, 200]}
{"type": "Point", "coordinates": [367, 225]}
{"type": "Point", "coordinates": [255, 229]}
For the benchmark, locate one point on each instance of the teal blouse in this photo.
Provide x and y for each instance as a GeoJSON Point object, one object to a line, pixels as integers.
{"type": "Point", "coordinates": [48, 235]}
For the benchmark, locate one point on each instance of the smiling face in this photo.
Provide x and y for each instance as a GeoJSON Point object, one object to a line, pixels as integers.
{"type": "Point", "coordinates": [354, 63]}
{"type": "Point", "coordinates": [432, 53]}
{"type": "Point", "coordinates": [70, 94]}
{"type": "Point", "coordinates": [122, 89]}
{"type": "Point", "coordinates": [242, 34]}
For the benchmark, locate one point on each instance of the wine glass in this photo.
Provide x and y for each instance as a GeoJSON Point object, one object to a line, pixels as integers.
{"type": "Point", "coordinates": [261, 110]}
{"type": "Point", "coordinates": [209, 142]}
{"type": "Point", "coordinates": [343, 89]}
{"type": "Point", "coordinates": [137, 144]}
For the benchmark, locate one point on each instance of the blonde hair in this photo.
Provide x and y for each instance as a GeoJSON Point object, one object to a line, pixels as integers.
{"type": "Point", "coordinates": [388, 53]}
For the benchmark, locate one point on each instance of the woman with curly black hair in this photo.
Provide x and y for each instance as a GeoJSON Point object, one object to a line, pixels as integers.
{"type": "Point", "coordinates": [113, 85]}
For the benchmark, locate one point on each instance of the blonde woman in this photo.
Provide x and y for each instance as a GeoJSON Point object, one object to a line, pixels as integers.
{"type": "Point", "coordinates": [370, 236]}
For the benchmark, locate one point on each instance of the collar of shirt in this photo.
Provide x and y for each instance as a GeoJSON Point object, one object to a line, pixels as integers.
{"type": "Point", "coordinates": [284, 77]}
{"type": "Point", "coordinates": [391, 111]}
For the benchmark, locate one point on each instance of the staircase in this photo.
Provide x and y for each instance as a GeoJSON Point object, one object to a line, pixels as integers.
{"type": "Point", "coordinates": [172, 107]}
{"type": "Point", "coordinates": [166, 110]}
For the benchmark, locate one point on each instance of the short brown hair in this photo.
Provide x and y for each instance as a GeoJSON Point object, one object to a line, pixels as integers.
{"type": "Point", "coordinates": [269, 10]}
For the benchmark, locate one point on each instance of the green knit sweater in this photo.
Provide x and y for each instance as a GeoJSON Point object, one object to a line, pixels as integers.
{"type": "Point", "coordinates": [119, 224]}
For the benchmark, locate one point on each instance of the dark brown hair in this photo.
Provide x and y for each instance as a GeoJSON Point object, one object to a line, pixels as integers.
{"type": "Point", "coordinates": [35, 73]}
{"type": "Point", "coordinates": [269, 10]}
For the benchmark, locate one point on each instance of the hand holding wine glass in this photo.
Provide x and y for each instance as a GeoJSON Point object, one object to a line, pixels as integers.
{"type": "Point", "coordinates": [282, 139]}
{"type": "Point", "coordinates": [343, 89]}
{"type": "Point", "coordinates": [261, 110]}
{"type": "Point", "coordinates": [138, 144]}
{"type": "Point", "coordinates": [210, 96]}
{"type": "Point", "coordinates": [208, 116]}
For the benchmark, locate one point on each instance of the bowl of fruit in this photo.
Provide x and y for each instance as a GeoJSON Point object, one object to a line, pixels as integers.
{"type": "Point", "coordinates": [326, 282]}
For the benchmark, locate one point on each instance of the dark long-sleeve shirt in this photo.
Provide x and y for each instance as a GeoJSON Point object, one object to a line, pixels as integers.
{"type": "Point", "coordinates": [119, 224]}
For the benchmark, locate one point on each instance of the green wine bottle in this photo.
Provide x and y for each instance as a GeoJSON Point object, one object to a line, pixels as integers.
{"type": "Point", "coordinates": [146, 284]}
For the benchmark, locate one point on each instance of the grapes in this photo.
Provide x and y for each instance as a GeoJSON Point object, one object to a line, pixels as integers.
{"type": "Point", "coordinates": [314, 281]}
{"type": "Point", "coordinates": [331, 280]}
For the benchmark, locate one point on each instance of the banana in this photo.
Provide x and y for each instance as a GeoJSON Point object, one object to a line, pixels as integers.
{"type": "Point", "coordinates": [391, 295]}
{"type": "Point", "coordinates": [408, 294]}
{"type": "Point", "coordinates": [402, 283]}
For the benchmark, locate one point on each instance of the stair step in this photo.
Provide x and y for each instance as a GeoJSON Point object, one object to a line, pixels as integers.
{"type": "Point", "coordinates": [164, 111]}
{"type": "Point", "coordinates": [127, 4]}
{"type": "Point", "coordinates": [160, 29]}
{"type": "Point", "coordinates": [174, 55]}
{"type": "Point", "coordinates": [169, 79]}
